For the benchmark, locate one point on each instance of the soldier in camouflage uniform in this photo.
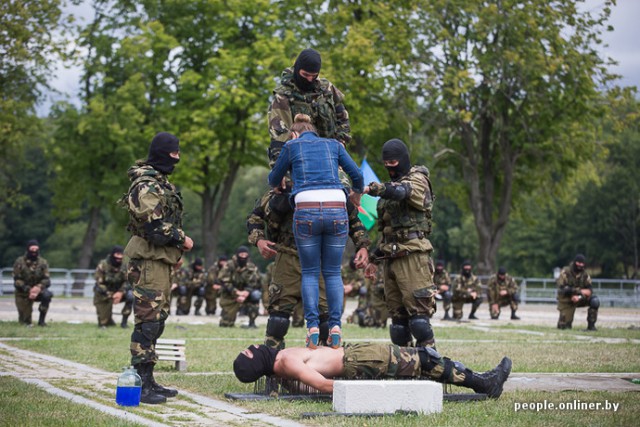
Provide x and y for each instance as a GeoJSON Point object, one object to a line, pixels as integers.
{"type": "Point", "coordinates": [502, 290]}
{"type": "Point", "coordinates": [302, 91]}
{"type": "Point", "coordinates": [240, 282]}
{"type": "Point", "coordinates": [212, 290]}
{"type": "Point", "coordinates": [178, 275]}
{"type": "Point", "coordinates": [575, 290]}
{"type": "Point", "coordinates": [270, 229]}
{"type": "Point", "coordinates": [193, 285]}
{"type": "Point", "coordinates": [442, 280]}
{"type": "Point", "coordinates": [111, 288]}
{"type": "Point", "coordinates": [317, 368]}
{"type": "Point", "coordinates": [404, 223]}
{"type": "Point", "coordinates": [376, 312]}
{"type": "Point", "coordinates": [31, 281]}
{"type": "Point", "coordinates": [354, 287]}
{"type": "Point", "coordinates": [466, 289]}
{"type": "Point", "coordinates": [156, 245]}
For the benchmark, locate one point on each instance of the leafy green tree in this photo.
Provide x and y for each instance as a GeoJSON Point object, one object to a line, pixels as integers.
{"type": "Point", "coordinates": [511, 92]}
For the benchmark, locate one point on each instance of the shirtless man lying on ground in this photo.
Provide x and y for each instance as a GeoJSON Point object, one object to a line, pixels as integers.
{"type": "Point", "coordinates": [317, 368]}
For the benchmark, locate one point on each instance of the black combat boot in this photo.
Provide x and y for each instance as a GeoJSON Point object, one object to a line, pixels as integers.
{"type": "Point", "coordinates": [123, 323]}
{"type": "Point", "coordinates": [197, 313]}
{"type": "Point", "coordinates": [148, 395]}
{"type": "Point", "coordinates": [591, 326]}
{"type": "Point", "coordinates": [41, 321]}
{"type": "Point", "coordinates": [446, 315]}
{"type": "Point", "coordinates": [513, 315]}
{"type": "Point", "coordinates": [472, 315]}
{"type": "Point", "coordinates": [159, 389]}
{"type": "Point", "coordinates": [490, 382]}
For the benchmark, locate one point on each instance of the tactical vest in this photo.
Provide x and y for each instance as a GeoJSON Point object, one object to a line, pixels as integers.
{"type": "Point", "coordinates": [319, 105]}
{"type": "Point", "coordinates": [113, 277]}
{"type": "Point", "coordinates": [171, 203]}
{"type": "Point", "coordinates": [32, 272]}
{"type": "Point", "coordinates": [399, 218]}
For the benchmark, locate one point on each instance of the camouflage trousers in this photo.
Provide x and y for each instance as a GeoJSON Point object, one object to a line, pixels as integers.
{"type": "Point", "coordinates": [151, 282]}
{"type": "Point", "coordinates": [231, 307]}
{"type": "Point", "coordinates": [211, 299]}
{"type": "Point", "coordinates": [25, 305]}
{"type": "Point", "coordinates": [104, 308]}
{"type": "Point", "coordinates": [567, 310]}
{"type": "Point", "coordinates": [459, 302]}
{"type": "Point", "coordinates": [408, 286]}
{"type": "Point", "coordinates": [507, 300]}
{"type": "Point", "coordinates": [373, 361]}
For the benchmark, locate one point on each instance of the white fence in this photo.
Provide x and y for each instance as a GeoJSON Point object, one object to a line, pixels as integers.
{"type": "Point", "coordinates": [611, 292]}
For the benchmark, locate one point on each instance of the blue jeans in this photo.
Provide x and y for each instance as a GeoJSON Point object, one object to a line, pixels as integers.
{"type": "Point", "coordinates": [321, 235]}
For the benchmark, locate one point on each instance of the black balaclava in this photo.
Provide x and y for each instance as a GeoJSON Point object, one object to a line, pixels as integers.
{"type": "Point", "coordinates": [502, 271]}
{"type": "Point", "coordinates": [579, 258]}
{"type": "Point", "coordinates": [197, 263]}
{"type": "Point", "coordinates": [310, 61]}
{"type": "Point", "coordinates": [395, 149]}
{"type": "Point", "coordinates": [249, 370]}
{"type": "Point", "coordinates": [439, 266]}
{"type": "Point", "coordinates": [466, 272]}
{"type": "Point", "coordinates": [242, 262]}
{"type": "Point", "coordinates": [33, 255]}
{"type": "Point", "coordinates": [161, 146]}
{"type": "Point", "coordinates": [117, 249]}
{"type": "Point", "coordinates": [221, 259]}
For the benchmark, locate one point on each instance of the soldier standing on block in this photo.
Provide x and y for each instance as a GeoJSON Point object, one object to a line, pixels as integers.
{"type": "Point", "coordinates": [442, 281]}
{"type": "Point", "coordinates": [212, 290]}
{"type": "Point", "coordinates": [157, 244]}
{"type": "Point", "coordinates": [502, 291]}
{"type": "Point", "coordinates": [112, 288]}
{"type": "Point", "coordinates": [240, 282]}
{"type": "Point", "coordinates": [31, 280]}
{"type": "Point", "coordinates": [301, 91]}
{"type": "Point", "coordinates": [466, 289]}
{"type": "Point", "coordinates": [404, 223]}
{"type": "Point", "coordinates": [575, 290]}
{"type": "Point", "coordinates": [193, 285]}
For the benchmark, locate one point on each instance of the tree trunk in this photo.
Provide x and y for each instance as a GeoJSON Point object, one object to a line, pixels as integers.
{"type": "Point", "coordinates": [89, 240]}
{"type": "Point", "coordinates": [213, 213]}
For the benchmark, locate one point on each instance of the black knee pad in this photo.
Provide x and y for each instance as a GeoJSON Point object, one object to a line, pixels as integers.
{"type": "Point", "coordinates": [594, 302]}
{"type": "Point", "coordinates": [421, 329]}
{"type": "Point", "coordinates": [182, 290]}
{"type": "Point", "coordinates": [201, 291]}
{"type": "Point", "coordinates": [400, 333]}
{"type": "Point", "coordinates": [128, 297]}
{"type": "Point", "coordinates": [45, 297]}
{"type": "Point", "coordinates": [446, 296]}
{"type": "Point", "coordinates": [476, 303]}
{"type": "Point", "coordinates": [277, 326]}
{"type": "Point", "coordinates": [516, 298]}
{"type": "Point", "coordinates": [255, 296]}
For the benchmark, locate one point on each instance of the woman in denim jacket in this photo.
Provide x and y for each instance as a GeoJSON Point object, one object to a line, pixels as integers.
{"type": "Point", "coordinates": [320, 219]}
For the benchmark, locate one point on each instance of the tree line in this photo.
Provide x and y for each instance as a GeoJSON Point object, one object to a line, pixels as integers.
{"type": "Point", "coordinates": [532, 147]}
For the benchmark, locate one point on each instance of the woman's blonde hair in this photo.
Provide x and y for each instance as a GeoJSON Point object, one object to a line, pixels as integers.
{"type": "Point", "coordinates": [302, 123]}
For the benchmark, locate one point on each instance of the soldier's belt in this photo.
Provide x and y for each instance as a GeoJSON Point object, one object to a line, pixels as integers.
{"type": "Point", "coordinates": [404, 237]}
{"type": "Point", "coordinates": [394, 255]}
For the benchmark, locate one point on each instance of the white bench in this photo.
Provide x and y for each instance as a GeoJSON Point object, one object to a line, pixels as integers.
{"type": "Point", "coordinates": [173, 351]}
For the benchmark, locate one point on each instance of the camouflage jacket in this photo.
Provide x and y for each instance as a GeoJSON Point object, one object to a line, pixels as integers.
{"type": "Point", "coordinates": [354, 278]}
{"type": "Point", "coordinates": [28, 273]}
{"type": "Point", "coordinates": [212, 274]}
{"type": "Point", "coordinates": [232, 277]}
{"type": "Point", "coordinates": [463, 286]}
{"type": "Point", "coordinates": [324, 105]}
{"type": "Point", "coordinates": [178, 276]}
{"type": "Point", "coordinates": [155, 216]}
{"type": "Point", "coordinates": [195, 279]}
{"type": "Point", "coordinates": [405, 224]}
{"type": "Point", "coordinates": [442, 278]}
{"type": "Point", "coordinates": [110, 279]}
{"type": "Point", "coordinates": [276, 224]}
{"type": "Point", "coordinates": [495, 285]}
{"type": "Point", "coordinates": [569, 282]}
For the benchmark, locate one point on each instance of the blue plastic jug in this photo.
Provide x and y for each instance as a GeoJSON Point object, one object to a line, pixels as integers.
{"type": "Point", "coordinates": [128, 388]}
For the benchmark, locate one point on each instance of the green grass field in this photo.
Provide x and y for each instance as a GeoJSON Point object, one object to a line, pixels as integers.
{"type": "Point", "coordinates": [210, 351]}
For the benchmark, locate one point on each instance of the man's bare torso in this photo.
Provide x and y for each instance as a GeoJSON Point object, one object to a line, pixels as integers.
{"type": "Point", "coordinates": [328, 362]}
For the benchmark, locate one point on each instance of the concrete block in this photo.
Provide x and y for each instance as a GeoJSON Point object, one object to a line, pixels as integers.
{"type": "Point", "coordinates": [386, 396]}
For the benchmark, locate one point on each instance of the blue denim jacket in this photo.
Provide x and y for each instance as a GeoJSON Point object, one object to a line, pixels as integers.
{"type": "Point", "coordinates": [314, 162]}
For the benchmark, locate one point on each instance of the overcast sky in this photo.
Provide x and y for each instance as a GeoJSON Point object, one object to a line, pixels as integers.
{"type": "Point", "coordinates": [623, 47]}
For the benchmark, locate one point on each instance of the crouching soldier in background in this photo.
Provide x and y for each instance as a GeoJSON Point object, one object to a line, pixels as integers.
{"type": "Point", "coordinates": [466, 289]}
{"type": "Point", "coordinates": [193, 285]}
{"type": "Point", "coordinates": [575, 290]}
{"type": "Point", "coordinates": [502, 291]}
{"type": "Point", "coordinates": [31, 280]}
{"type": "Point", "coordinates": [240, 282]}
{"type": "Point", "coordinates": [112, 288]}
